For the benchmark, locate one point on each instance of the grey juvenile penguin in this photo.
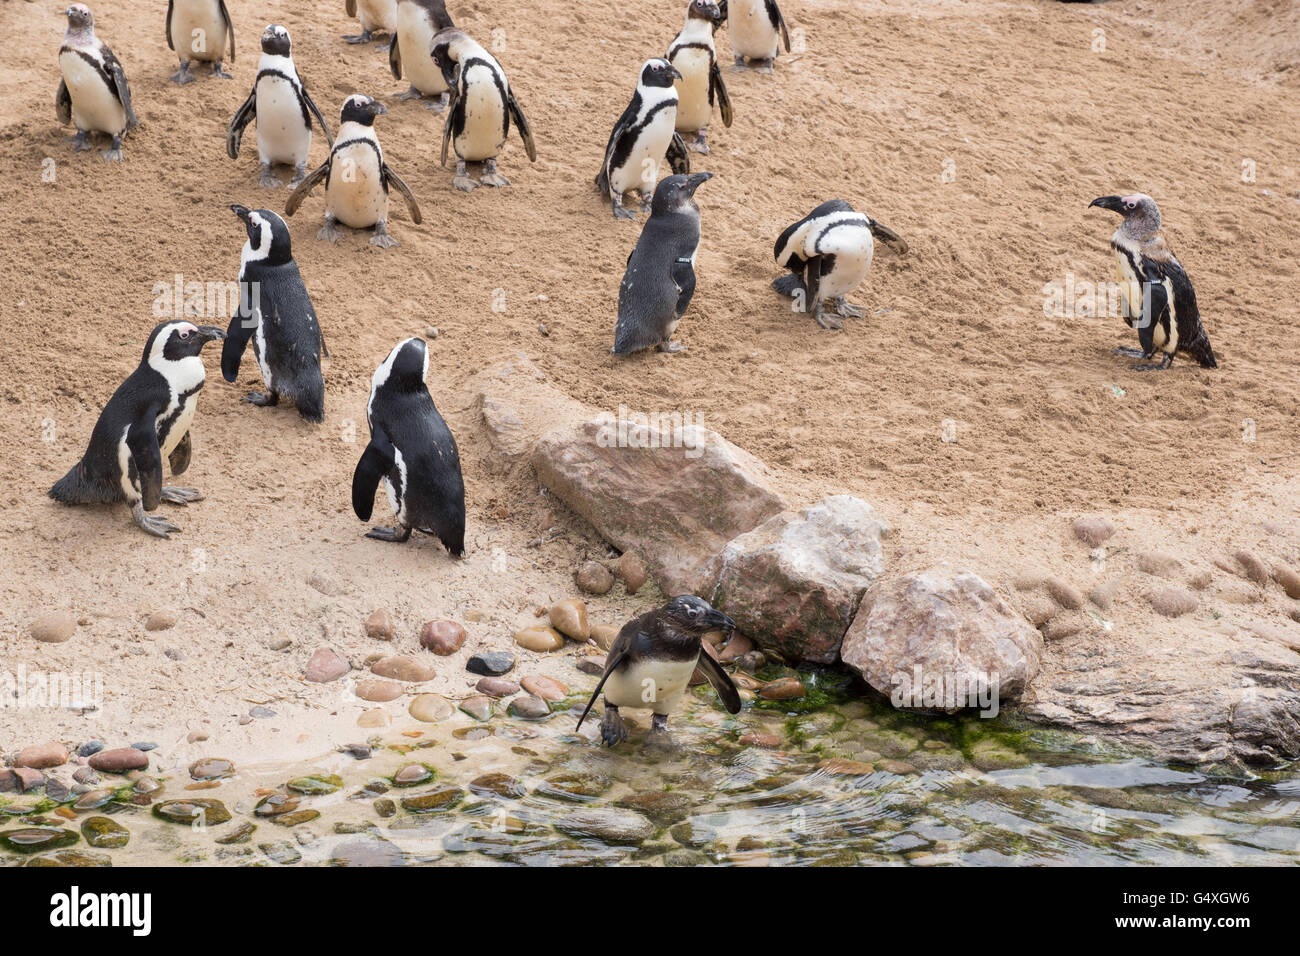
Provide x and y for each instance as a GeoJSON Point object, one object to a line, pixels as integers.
{"type": "Point", "coordinates": [93, 95]}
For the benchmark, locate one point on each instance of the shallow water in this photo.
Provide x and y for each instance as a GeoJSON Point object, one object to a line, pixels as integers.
{"type": "Point", "coordinates": [852, 782]}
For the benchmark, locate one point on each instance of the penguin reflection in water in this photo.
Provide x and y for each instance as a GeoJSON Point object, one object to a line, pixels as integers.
{"type": "Point", "coordinates": [651, 662]}
{"type": "Point", "coordinates": [93, 95]}
{"type": "Point", "coordinates": [413, 452]}
{"type": "Point", "coordinates": [147, 419]}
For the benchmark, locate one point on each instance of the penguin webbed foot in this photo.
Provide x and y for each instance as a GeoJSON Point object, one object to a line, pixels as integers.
{"type": "Point", "coordinates": [740, 63]}
{"type": "Point", "coordinates": [389, 534]}
{"type": "Point", "coordinates": [440, 104]}
{"type": "Point", "coordinates": [491, 177]}
{"type": "Point", "coordinates": [612, 730]}
{"type": "Point", "coordinates": [766, 66]}
{"type": "Point", "coordinates": [411, 94]}
{"type": "Point", "coordinates": [269, 180]}
{"type": "Point", "coordinates": [828, 322]}
{"type": "Point", "coordinates": [621, 211]}
{"type": "Point", "coordinates": [156, 525]}
{"type": "Point", "coordinates": [81, 142]}
{"type": "Point", "coordinates": [268, 399]}
{"type": "Point", "coordinates": [382, 238]}
{"type": "Point", "coordinates": [299, 174]}
{"type": "Point", "coordinates": [219, 73]}
{"type": "Point", "coordinates": [1160, 366]}
{"type": "Point", "coordinates": [362, 37]}
{"type": "Point", "coordinates": [329, 231]}
{"type": "Point", "coordinates": [848, 310]}
{"type": "Point", "coordinates": [1130, 352]}
{"type": "Point", "coordinates": [700, 144]}
{"type": "Point", "coordinates": [114, 153]}
{"type": "Point", "coordinates": [183, 75]}
{"type": "Point", "coordinates": [671, 346]}
{"type": "Point", "coordinates": [173, 495]}
{"type": "Point", "coordinates": [462, 180]}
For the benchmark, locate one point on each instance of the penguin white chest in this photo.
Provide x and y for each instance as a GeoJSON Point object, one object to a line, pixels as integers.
{"type": "Point", "coordinates": [693, 107]}
{"type": "Point", "coordinates": [485, 113]}
{"type": "Point", "coordinates": [1130, 288]}
{"type": "Point", "coordinates": [95, 106]}
{"type": "Point", "coordinates": [653, 684]}
{"type": "Point", "coordinates": [641, 171]}
{"type": "Point", "coordinates": [378, 15]}
{"type": "Point", "coordinates": [397, 491]}
{"type": "Point", "coordinates": [414, 41]}
{"type": "Point", "coordinates": [282, 136]}
{"type": "Point", "coordinates": [198, 30]}
{"type": "Point", "coordinates": [853, 248]}
{"type": "Point", "coordinates": [355, 196]}
{"type": "Point", "coordinates": [751, 32]}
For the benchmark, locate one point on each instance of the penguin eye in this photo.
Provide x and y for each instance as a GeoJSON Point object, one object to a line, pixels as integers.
{"type": "Point", "coordinates": [184, 333]}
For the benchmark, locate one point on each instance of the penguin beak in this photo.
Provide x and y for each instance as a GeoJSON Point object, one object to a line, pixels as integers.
{"type": "Point", "coordinates": [1107, 202]}
{"type": "Point", "coordinates": [240, 211]}
{"type": "Point", "coordinates": [695, 180]}
{"type": "Point", "coordinates": [210, 333]}
{"type": "Point", "coordinates": [675, 73]}
{"type": "Point", "coordinates": [380, 108]}
{"type": "Point", "coordinates": [717, 621]}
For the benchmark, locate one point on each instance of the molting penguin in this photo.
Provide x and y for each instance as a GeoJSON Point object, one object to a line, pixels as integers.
{"type": "Point", "coordinates": [694, 56]}
{"type": "Point", "coordinates": [376, 16]}
{"type": "Point", "coordinates": [280, 103]}
{"type": "Point", "coordinates": [413, 452]}
{"type": "Point", "coordinates": [651, 662]}
{"type": "Point", "coordinates": [93, 94]}
{"type": "Point", "coordinates": [358, 195]}
{"type": "Point", "coordinates": [276, 313]}
{"type": "Point", "coordinates": [147, 419]}
{"type": "Point", "coordinates": [482, 106]}
{"type": "Point", "coordinates": [1156, 295]}
{"type": "Point", "coordinates": [197, 30]}
{"type": "Point", "coordinates": [757, 29]}
{"type": "Point", "coordinates": [660, 277]}
{"type": "Point", "coordinates": [828, 253]}
{"type": "Point", "coordinates": [644, 136]}
{"type": "Point", "coordinates": [418, 22]}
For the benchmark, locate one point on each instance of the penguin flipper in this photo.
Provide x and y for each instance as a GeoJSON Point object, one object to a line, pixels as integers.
{"type": "Point", "coordinates": [718, 88]}
{"type": "Point", "coordinates": [1155, 302]}
{"type": "Point", "coordinates": [320, 118]}
{"type": "Point", "coordinates": [888, 236]}
{"type": "Point", "coordinates": [237, 336]}
{"type": "Point", "coordinates": [774, 14]}
{"type": "Point", "coordinates": [679, 160]}
{"type": "Point", "coordinates": [230, 27]}
{"type": "Point", "coordinates": [351, 7]}
{"type": "Point", "coordinates": [721, 682]}
{"type": "Point", "coordinates": [168, 26]}
{"type": "Point", "coordinates": [395, 59]}
{"type": "Point", "coordinates": [812, 281]}
{"type": "Point", "coordinates": [616, 657]}
{"type": "Point", "coordinates": [521, 121]}
{"type": "Point", "coordinates": [399, 184]}
{"type": "Point", "coordinates": [120, 86]}
{"type": "Point", "coordinates": [142, 441]}
{"type": "Point", "coordinates": [179, 459]}
{"type": "Point", "coordinates": [446, 126]}
{"type": "Point", "coordinates": [376, 461]}
{"type": "Point", "coordinates": [243, 116]}
{"type": "Point", "coordinates": [683, 273]}
{"type": "Point", "coordinates": [63, 104]}
{"type": "Point", "coordinates": [306, 186]}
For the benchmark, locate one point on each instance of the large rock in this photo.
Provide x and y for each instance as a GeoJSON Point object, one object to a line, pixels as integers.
{"type": "Point", "coordinates": [676, 495]}
{"type": "Point", "coordinates": [519, 405]}
{"type": "Point", "coordinates": [941, 632]}
{"type": "Point", "coordinates": [794, 583]}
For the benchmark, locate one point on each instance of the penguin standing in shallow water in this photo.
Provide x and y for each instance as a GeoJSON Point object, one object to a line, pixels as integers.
{"type": "Point", "coordinates": [651, 662]}
{"type": "Point", "coordinates": [757, 30]}
{"type": "Point", "coordinates": [644, 136]}
{"type": "Point", "coordinates": [197, 30]}
{"type": "Point", "coordinates": [147, 419]}
{"type": "Point", "coordinates": [276, 313]}
{"type": "Point", "coordinates": [482, 106]}
{"type": "Point", "coordinates": [1156, 295]}
{"type": "Point", "coordinates": [413, 452]}
{"type": "Point", "coordinates": [828, 253]}
{"type": "Point", "coordinates": [358, 195]}
{"type": "Point", "coordinates": [693, 54]}
{"type": "Point", "coordinates": [283, 111]}
{"type": "Point", "coordinates": [93, 94]}
{"type": "Point", "coordinates": [376, 16]}
{"type": "Point", "coordinates": [660, 278]}
{"type": "Point", "coordinates": [418, 22]}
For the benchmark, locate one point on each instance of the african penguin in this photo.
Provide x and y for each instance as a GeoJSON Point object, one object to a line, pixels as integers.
{"type": "Point", "coordinates": [418, 21]}
{"type": "Point", "coordinates": [276, 313]}
{"type": "Point", "coordinates": [482, 106]}
{"type": "Point", "coordinates": [644, 136]}
{"type": "Point", "coordinates": [93, 95]}
{"type": "Point", "coordinates": [376, 16]}
{"type": "Point", "coordinates": [828, 253]}
{"type": "Point", "coordinates": [283, 110]}
{"type": "Point", "coordinates": [413, 452]}
{"type": "Point", "coordinates": [660, 278]}
{"type": "Point", "coordinates": [650, 664]}
{"type": "Point", "coordinates": [1156, 295]}
{"type": "Point", "coordinates": [757, 31]}
{"type": "Point", "coordinates": [357, 193]}
{"type": "Point", "coordinates": [147, 419]}
{"type": "Point", "coordinates": [197, 30]}
{"type": "Point", "coordinates": [694, 56]}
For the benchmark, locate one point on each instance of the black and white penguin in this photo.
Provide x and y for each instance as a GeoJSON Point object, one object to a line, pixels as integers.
{"type": "Point", "coordinates": [693, 54]}
{"type": "Point", "coordinates": [757, 31]}
{"type": "Point", "coordinates": [650, 664]}
{"type": "Point", "coordinates": [93, 95]}
{"type": "Point", "coordinates": [283, 110]}
{"type": "Point", "coordinates": [482, 106]}
{"type": "Point", "coordinates": [1155, 293]}
{"type": "Point", "coordinates": [147, 419]}
{"type": "Point", "coordinates": [413, 452]}
{"type": "Point", "coordinates": [197, 30]}
{"type": "Point", "coordinates": [660, 278]}
{"type": "Point", "coordinates": [644, 136]}
{"type": "Point", "coordinates": [376, 16]}
{"type": "Point", "coordinates": [418, 22]}
{"type": "Point", "coordinates": [276, 313]}
{"type": "Point", "coordinates": [358, 195]}
{"type": "Point", "coordinates": [828, 253]}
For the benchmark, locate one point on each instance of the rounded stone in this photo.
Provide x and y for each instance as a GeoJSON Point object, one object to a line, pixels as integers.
{"type": "Point", "coordinates": [604, 635]}
{"type": "Point", "coordinates": [42, 756]}
{"type": "Point", "coordinates": [528, 707]}
{"type": "Point", "coordinates": [478, 707]}
{"type": "Point", "coordinates": [631, 570]}
{"type": "Point", "coordinates": [37, 839]}
{"type": "Point", "coordinates": [497, 687]}
{"type": "Point", "coordinates": [434, 801]}
{"type": "Point", "coordinates": [411, 775]}
{"type": "Point", "coordinates": [765, 741]}
{"type": "Point", "coordinates": [54, 628]}
{"type": "Point", "coordinates": [374, 718]}
{"type": "Point", "coordinates": [211, 812]}
{"type": "Point", "coordinates": [105, 834]}
{"type": "Point", "coordinates": [315, 784]}
{"type": "Point", "coordinates": [162, 620]}
{"type": "Point", "coordinates": [570, 619]}
{"type": "Point", "coordinates": [607, 824]}
{"type": "Point", "coordinates": [497, 785]}
{"type": "Point", "coordinates": [430, 708]}
{"type": "Point", "coordinates": [404, 668]}
{"type": "Point", "coordinates": [444, 638]}
{"type": "Point", "coordinates": [546, 688]}
{"type": "Point", "coordinates": [783, 688]}
{"type": "Point", "coordinates": [326, 665]}
{"type": "Point", "coordinates": [594, 578]}
{"type": "Point", "coordinates": [1172, 601]}
{"type": "Point", "coordinates": [539, 639]}
{"type": "Point", "coordinates": [380, 625]}
{"type": "Point", "coordinates": [93, 799]}
{"type": "Point", "coordinates": [491, 663]}
{"type": "Point", "coordinates": [378, 691]}
{"type": "Point", "coordinates": [1064, 593]}
{"type": "Point", "coordinates": [1093, 530]}
{"type": "Point", "coordinates": [367, 851]}
{"type": "Point", "coordinates": [212, 768]}
{"type": "Point", "coordinates": [120, 760]}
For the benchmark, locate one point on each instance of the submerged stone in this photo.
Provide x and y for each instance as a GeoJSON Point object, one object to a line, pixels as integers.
{"type": "Point", "coordinates": [104, 834]}
{"type": "Point", "coordinates": [210, 812]}
{"type": "Point", "coordinates": [315, 784]}
{"type": "Point", "coordinates": [37, 839]}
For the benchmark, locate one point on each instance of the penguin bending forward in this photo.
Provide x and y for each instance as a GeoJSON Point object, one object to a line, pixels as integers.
{"type": "Point", "coordinates": [358, 196]}
{"type": "Point", "coordinates": [376, 16]}
{"type": "Point", "coordinates": [757, 29]}
{"type": "Point", "coordinates": [644, 136]}
{"type": "Point", "coordinates": [828, 253]}
{"type": "Point", "coordinates": [1155, 292]}
{"type": "Point", "coordinates": [276, 313]}
{"type": "Point", "coordinates": [660, 278]}
{"type": "Point", "coordinates": [418, 22]}
{"type": "Point", "coordinates": [281, 106]}
{"type": "Point", "coordinates": [651, 662]}
{"type": "Point", "coordinates": [147, 419]}
{"type": "Point", "coordinates": [413, 452]}
{"type": "Point", "coordinates": [693, 54]}
{"type": "Point", "coordinates": [93, 95]}
{"type": "Point", "coordinates": [197, 30]}
{"type": "Point", "coordinates": [482, 106]}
